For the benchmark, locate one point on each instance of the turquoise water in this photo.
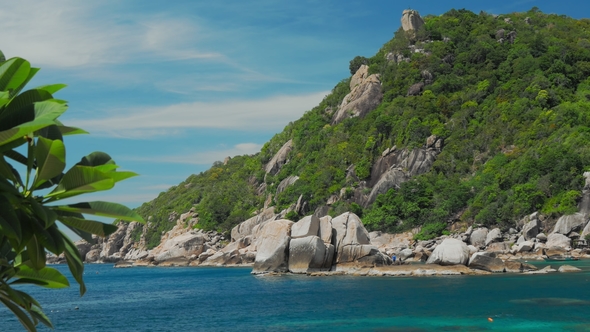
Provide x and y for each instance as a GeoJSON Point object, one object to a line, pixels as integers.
{"type": "Point", "coordinates": [224, 299]}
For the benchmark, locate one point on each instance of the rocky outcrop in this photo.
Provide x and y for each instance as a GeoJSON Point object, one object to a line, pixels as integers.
{"type": "Point", "coordinates": [392, 170]}
{"type": "Point", "coordinates": [570, 223]}
{"type": "Point", "coordinates": [247, 227]}
{"type": "Point", "coordinates": [279, 159]}
{"type": "Point", "coordinates": [288, 181]}
{"type": "Point", "coordinates": [411, 20]}
{"type": "Point", "coordinates": [450, 252]}
{"type": "Point", "coordinates": [273, 247]}
{"type": "Point", "coordinates": [365, 95]}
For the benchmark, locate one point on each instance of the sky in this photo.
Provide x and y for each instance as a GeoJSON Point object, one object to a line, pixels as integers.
{"type": "Point", "coordinates": [169, 87]}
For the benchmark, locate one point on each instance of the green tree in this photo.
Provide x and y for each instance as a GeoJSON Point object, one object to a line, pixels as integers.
{"type": "Point", "coordinates": [30, 205]}
{"type": "Point", "coordinates": [356, 63]}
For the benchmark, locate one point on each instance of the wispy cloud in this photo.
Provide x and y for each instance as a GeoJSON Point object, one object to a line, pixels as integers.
{"type": "Point", "coordinates": [249, 115]}
{"type": "Point", "coordinates": [68, 33]}
{"type": "Point", "coordinates": [202, 157]}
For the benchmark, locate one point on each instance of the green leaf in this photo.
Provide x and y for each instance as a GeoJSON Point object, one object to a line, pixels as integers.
{"type": "Point", "coordinates": [18, 312]}
{"type": "Point", "coordinates": [47, 277]}
{"type": "Point", "coordinates": [105, 209]}
{"type": "Point", "coordinates": [89, 226]}
{"type": "Point", "coordinates": [51, 132]}
{"type": "Point", "coordinates": [74, 263]}
{"type": "Point", "coordinates": [36, 253]}
{"type": "Point", "coordinates": [37, 313]}
{"type": "Point", "coordinates": [51, 88]}
{"type": "Point", "coordinates": [79, 180]}
{"type": "Point", "coordinates": [25, 99]}
{"type": "Point", "coordinates": [13, 73]}
{"type": "Point", "coordinates": [32, 72]}
{"type": "Point", "coordinates": [9, 222]}
{"type": "Point", "coordinates": [96, 158]}
{"type": "Point", "coordinates": [120, 176]}
{"type": "Point", "coordinates": [51, 159]}
{"type": "Point", "coordinates": [65, 130]}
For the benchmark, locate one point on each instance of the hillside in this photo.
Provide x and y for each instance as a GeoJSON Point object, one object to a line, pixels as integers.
{"type": "Point", "coordinates": [466, 118]}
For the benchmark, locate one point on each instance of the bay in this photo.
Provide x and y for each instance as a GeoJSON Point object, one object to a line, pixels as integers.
{"type": "Point", "coordinates": [231, 299]}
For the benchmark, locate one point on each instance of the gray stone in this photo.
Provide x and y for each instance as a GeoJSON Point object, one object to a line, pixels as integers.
{"type": "Point", "coordinates": [365, 95]}
{"type": "Point", "coordinates": [288, 181]}
{"type": "Point", "coordinates": [307, 226]}
{"type": "Point", "coordinates": [396, 168]}
{"type": "Point", "coordinates": [450, 252]}
{"type": "Point", "coordinates": [405, 254]}
{"type": "Point", "coordinates": [272, 247]}
{"type": "Point", "coordinates": [246, 228]}
{"type": "Point", "coordinates": [309, 254]}
{"type": "Point", "coordinates": [531, 229]}
{"type": "Point", "coordinates": [279, 159]}
{"type": "Point", "coordinates": [495, 235]}
{"type": "Point", "coordinates": [558, 240]}
{"type": "Point", "coordinates": [570, 223]}
{"type": "Point", "coordinates": [351, 239]}
{"type": "Point", "coordinates": [486, 262]}
{"type": "Point", "coordinates": [541, 237]}
{"type": "Point", "coordinates": [415, 89]}
{"type": "Point", "coordinates": [478, 237]}
{"type": "Point", "coordinates": [568, 268]}
{"type": "Point", "coordinates": [411, 20]}
{"type": "Point", "coordinates": [525, 246]}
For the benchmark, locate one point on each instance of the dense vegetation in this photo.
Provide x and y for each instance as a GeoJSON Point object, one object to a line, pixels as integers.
{"type": "Point", "coordinates": [513, 109]}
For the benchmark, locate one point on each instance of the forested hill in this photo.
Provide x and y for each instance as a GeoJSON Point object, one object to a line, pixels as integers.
{"type": "Point", "coordinates": [503, 101]}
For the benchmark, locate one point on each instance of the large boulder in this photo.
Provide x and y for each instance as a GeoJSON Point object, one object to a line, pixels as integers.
{"type": "Point", "coordinates": [246, 228]}
{"type": "Point", "coordinates": [273, 247]}
{"type": "Point", "coordinates": [411, 20]}
{"type": "Point", "coordinates": [83, 247]}
{"type": "Point", "coordinates": [308, 254]}
{"type": "Point", "coordinates": [531, 229]}
{"type": "Point", "coordinates": [365, 95]}
{"type": "Point", "coordinates": [570, 223]}
{"type": "Point", "coordinates": [478, 237]}
{"type": "Point", "coordinates": [558, 240]}
{"type": "Point", "coordinates": [450, 252]}
{"type": "Point", "coordinates": [351, 240]}
{"type": "Point", "coordinates": [487, 262]}
{"type": "Point", "coordinates": [495, 235]}
{"type": "Point", "coordinates": [279, 159]}
{"type": "Point", "coordinates": [307, 226]}
{"type": "Point", "coordinates": [183, 245]}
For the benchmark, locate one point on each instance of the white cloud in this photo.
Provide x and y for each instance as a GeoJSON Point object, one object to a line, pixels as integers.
{"type": "Point", "coordinates": [201, 158]}
{"type": "Point", "coordinates": [69, 33]}
{"type": "Point", "coordinates": [249, 115]}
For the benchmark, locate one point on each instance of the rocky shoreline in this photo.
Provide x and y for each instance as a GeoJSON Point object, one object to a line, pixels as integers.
{"type": "Point", "coordinates": [341, 245]}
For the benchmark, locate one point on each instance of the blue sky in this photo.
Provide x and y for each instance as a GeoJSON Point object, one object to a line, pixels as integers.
{"type": "Point", "coordinates": [169, 87]}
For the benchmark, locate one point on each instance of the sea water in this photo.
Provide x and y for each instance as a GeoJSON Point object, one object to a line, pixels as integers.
{"type": "Point", "coordinates": [231, 299]}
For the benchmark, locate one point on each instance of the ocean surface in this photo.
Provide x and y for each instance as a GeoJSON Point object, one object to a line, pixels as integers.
{"type": "Point", "coordinates": [231, 299]}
